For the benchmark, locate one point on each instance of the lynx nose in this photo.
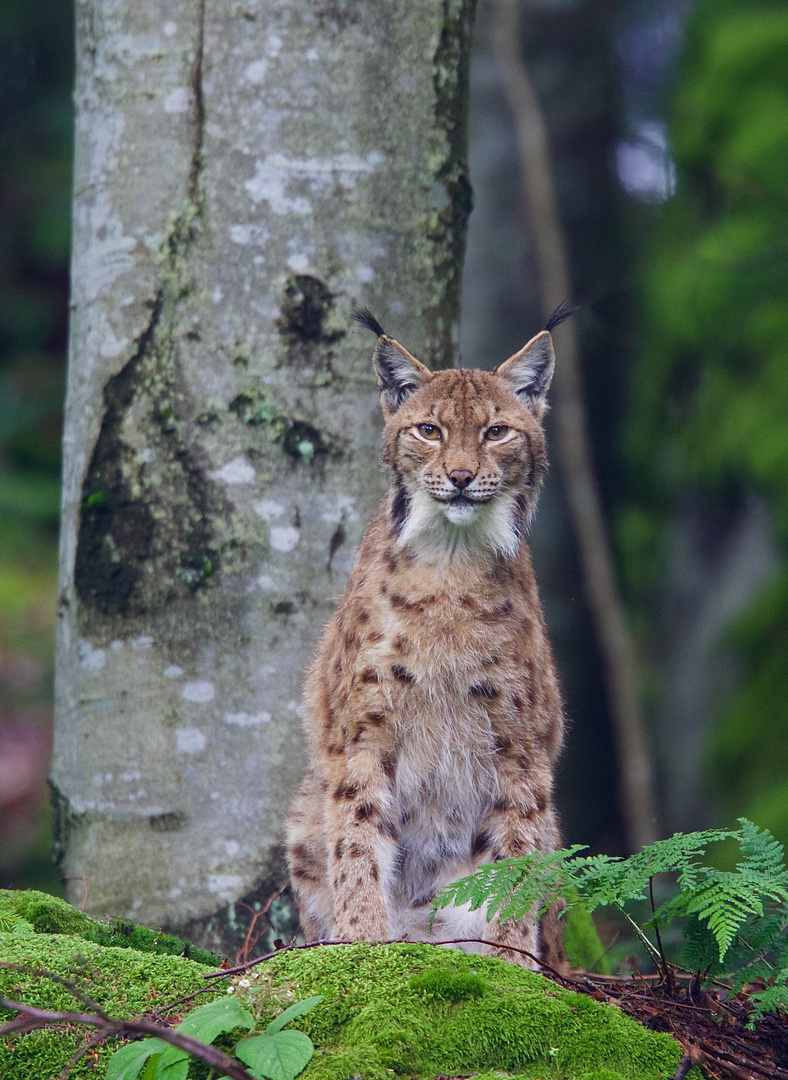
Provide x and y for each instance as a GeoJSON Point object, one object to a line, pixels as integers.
{"type": "Point", "coordinates": [461, 478]}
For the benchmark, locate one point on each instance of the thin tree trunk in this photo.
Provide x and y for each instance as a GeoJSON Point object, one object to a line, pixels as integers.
{"type": "Point", "coordinates": [635, 767]}
{"type": "Point", "coordinates": [245, 174]}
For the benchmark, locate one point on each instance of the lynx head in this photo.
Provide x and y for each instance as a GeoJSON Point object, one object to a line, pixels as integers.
{"type": "Point", "coordinates": [466, 448]}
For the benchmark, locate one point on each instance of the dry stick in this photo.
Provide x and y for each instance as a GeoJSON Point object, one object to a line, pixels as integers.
{"type": "Point", "coordinates": [263, 912]}
{"type": "Point", "coordinates": [32, 1019]}
{"type": "Point", "coordinates": [79, 1053]}
{"type": "Point", "coordinates": [634, 760]}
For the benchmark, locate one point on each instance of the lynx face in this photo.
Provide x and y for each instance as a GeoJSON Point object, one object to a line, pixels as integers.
{"type": "Point", "coordinates": [466, 448]}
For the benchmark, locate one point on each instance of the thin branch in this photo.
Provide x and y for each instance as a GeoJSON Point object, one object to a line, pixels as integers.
{"type": "Point", "coordinates": [264, 912]}
{"type": "Point", "coordinates": [653, 953]}
{"type": "Point", "coordinates": [79, 1053]}
{"type": "Point", "coordinates": [32, 1019]}
{"type": "Point", "coordinates": [634, 759]}
{"type": "Point", "coordinates": [664, 966]}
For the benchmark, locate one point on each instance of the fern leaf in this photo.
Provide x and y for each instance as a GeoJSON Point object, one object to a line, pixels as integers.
{"type": "Point", "coordinates": [761, 851]}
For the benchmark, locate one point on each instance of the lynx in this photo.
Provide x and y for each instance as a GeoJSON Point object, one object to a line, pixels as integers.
{"type": "Point", "coordinates": [433, 712]}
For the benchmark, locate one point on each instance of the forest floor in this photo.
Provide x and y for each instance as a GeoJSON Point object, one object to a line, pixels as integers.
{"type": "Point", "coordinates": [714, 1029]}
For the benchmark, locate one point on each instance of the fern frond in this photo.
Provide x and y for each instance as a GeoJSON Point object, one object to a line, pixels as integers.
{"type": "Point", "coordinates": [512, 886]}
{"type": "Point", "coordinates": [742, 912]}
{"type": "Point", "coordinates": [762, 853]}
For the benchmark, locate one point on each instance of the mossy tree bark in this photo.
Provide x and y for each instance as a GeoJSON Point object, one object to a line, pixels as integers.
{"type": "Point", "coordinates": [245, 174]}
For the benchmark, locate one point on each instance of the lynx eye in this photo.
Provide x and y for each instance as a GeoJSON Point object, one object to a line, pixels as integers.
{"type": "Point", "coordinates": [497, 431]}
{"type": "Point", "coordinates": [429, 431]}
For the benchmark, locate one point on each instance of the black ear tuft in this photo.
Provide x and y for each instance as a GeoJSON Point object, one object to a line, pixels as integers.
{"type": "Point", "coordinates": [563, 312]}
{"type": "Point", "coordinates": [367, 319]}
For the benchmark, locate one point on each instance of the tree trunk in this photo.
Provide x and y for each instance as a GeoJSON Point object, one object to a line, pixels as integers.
{"type": "Point", "coordinates": [245, 174]}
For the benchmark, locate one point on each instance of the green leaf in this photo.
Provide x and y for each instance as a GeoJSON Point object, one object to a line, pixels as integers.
{"type": "Point", "coordinates": [276, 1057]}
{"type": "Point", "coordinates": [125, 1063]}
{"type": "Point", "coordinates": [211, 1020]}
{"type": "Point", "coordinates": [292, 1013]}
{"type": "Point", "coordinates": [173, 1064]}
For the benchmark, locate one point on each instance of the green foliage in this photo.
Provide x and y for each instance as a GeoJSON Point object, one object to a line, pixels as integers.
{"type": "Point", "coordinates": [416, 1009]}
{"type": "Point", "coordinates": [447, 985]}
{"type": "Point", "coordinates": [123, 982]}
{"type": "Point", "coordinates": [168, 1062]}
{"type": "Point", "coordinates": [739, 916]}
{"type": "Point", "coordinates": [709, 393]}
{"type": "Point", "coordinates": [50, 915]}
{"type": "Point", "coordinates": [581, 941]}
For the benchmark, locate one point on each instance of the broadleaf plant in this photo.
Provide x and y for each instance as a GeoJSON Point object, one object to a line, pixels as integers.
{"type": "Point", "coordinates": [274, 1055]}
{"type": "Point", "coordinates": [737, 915]}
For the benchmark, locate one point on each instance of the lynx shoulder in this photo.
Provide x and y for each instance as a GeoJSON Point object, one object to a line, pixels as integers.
{"type": "Point", "coordinates": [433, 713]}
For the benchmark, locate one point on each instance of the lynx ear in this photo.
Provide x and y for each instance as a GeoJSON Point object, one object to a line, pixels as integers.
{"type": "Point", "coordinates": [399, 374]}
{"type": "Point", "coordinates": [529, 372]}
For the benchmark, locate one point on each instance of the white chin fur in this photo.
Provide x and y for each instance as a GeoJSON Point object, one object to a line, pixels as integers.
{"type": "Point", "coordinates": [460, 513]}
{"type": "Point", "coordinates": [439, 531]}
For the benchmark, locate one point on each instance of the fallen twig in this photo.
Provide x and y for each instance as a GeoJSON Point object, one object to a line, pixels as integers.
{"type": "Point", "coordinates": [33, 1019]}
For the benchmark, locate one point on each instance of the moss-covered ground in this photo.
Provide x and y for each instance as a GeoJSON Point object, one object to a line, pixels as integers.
{"type": "Point", "coordinates": [401, 1010]}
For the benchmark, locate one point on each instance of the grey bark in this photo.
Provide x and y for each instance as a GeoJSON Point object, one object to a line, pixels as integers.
{"type": "Point", "coordinates": [245, 174]}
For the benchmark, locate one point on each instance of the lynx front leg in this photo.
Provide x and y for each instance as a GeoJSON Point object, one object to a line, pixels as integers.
{"type": "Point", "coordinates": [306, 860]}
{"type": "Point", "coordinates": [521, 821]}
{"type": "Point", "coordinates": [361, 846]}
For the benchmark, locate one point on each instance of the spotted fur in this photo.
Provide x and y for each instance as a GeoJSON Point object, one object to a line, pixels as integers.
{"type": "Point", "coordinates": [433, 713]}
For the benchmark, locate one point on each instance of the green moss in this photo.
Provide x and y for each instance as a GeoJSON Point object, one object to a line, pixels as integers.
{"type": "Point", "coordinates": [50, 915]}
{"type": "Point", "coordinates": [418, 1010]}
{"type": "Point", "coordinates": [410, 1010]}
{"type": "Point", "coordinates": [123, 982]}
{"type": "Point", "coordinates": [447, 985]}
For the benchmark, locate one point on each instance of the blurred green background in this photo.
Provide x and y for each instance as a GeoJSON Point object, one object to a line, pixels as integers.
{"type": "Point", "coordinates": [679, 190]}
{"type": "Point", "coordinates": [36, 74]}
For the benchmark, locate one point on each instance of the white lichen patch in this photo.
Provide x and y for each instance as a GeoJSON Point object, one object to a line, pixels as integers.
{"type": "Point", "coordinates": [439, 196]}
{"type": "Point", "coordinates": [170, 28]}
{"type": "Point", "coordinates": [107, 253]}
{"type": "Point", "coordinates": [89, 658]}
{"type": "Point", "coordinates": [177, 101]}
{"type": "Point", "coordinates": [284, 538]}
{"type": "Point", "coordinates": [237, 471]}
{"type": "Point", "coordinates": [298, 263]}
{"type": "Point", "coordinates": [227, 886]}
{"type": "Point", "coordinates": [265, 581]}
{"type": "Point", "coordinates": [116, 646]}
{"type": "Point", "coordinates": [241, 234]}
{"type": "Point", "coordinates": [365, 273]}
{"type": "Point", "coordinates": [198, 692]}
{"type": "Point", "coordinates": [274, 173]}
{"type": "Point", "coordinates": [172, 671]}
{"type": "Point", "coordinates": [100, 779]}
{"type": "Point", "coordinates": [142, 643]}
{"type": "Point", "coordinates": [232, 847]}
{"type": "Point", "coordinates": [255, 72]}
{"type": "Point", "coordinates": [268, 509]}
{"type": "Point", "coordinates": [243, 719]}
{"type": "Point", "coordinates": [190, 740]}
{"type": "Point", "coordinates": [339, 508]}
{"type": "Point", "coordinates": [130, 776]}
